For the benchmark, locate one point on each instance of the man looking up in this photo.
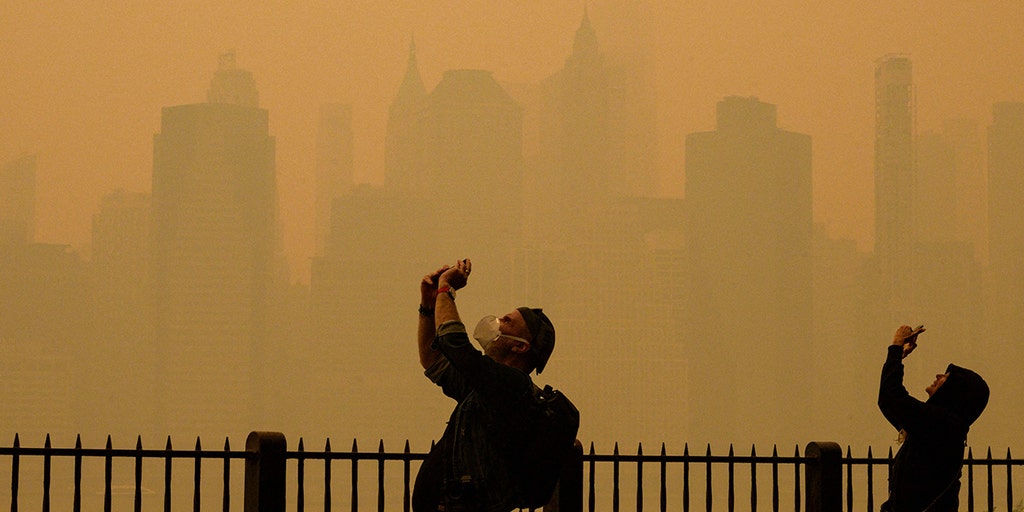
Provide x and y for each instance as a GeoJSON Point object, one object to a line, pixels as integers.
{"type": "Point", "coordinates": [477, 464]}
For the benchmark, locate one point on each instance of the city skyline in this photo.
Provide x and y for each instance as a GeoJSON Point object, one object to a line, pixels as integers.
{"type": "Point", "coordinates": [746, 245]}
{"type": "Point", "coordinates": [813, 61]}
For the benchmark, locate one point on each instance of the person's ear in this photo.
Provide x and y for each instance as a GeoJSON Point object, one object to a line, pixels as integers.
{"type": "Point", "coordinates": [521, 347]}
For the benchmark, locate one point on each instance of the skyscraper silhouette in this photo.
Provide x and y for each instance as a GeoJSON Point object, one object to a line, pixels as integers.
{"type": "Point", "coordinates": [1006, 238]}
{"type": "Point", "coordinates": [894, 186]}
{"type": "Point", "coordinates": [123, 310]}
{"type": "Point", "coordinates": [217, 257]}
{"type": "Point", "coordinates": [748, 235]}
{"type": "Point", "coordinates": [574, 176]}
{"type": "Point", "coordinates": [18, 201]}
{"type": "Point", "coordinates": [402, 140]}
{"type": "Point", "coordinates": [334, 165]}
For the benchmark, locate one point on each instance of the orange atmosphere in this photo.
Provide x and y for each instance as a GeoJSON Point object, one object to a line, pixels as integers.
{"type": "Point", "coordinates": [82, 84]}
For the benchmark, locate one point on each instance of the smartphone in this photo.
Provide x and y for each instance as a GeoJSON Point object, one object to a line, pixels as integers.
{"type": "Point", "coordinates": [917, 330]}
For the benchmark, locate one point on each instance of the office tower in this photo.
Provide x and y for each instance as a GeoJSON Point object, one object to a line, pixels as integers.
{"type": "Point", "coordinates": [894, 185]}
{"type": "Point", "coordinates": [628, 31]}
{"type": "Point", "coordinates": [946, 278]}
{"type": "Point", "coordinates": [232, 86]}
{"type": "Point", "coordinates": [454, 163]}
{"type": "Point", "coordinates": [838, 324]}
{"type": "Point", "coordinates": [748, 235]}
{"type": "Point", "coordinates": [217, 257]}
{"type": "Point", "coordinates": [463, 150]}
{"type": "Point", "coordinates": [572, 172]}
{"type": "Point", "coordinates": [1004, 321]}
{"type": "Point", "coordinates": [334, 165]}
{"type": "Point", "coordinates": [120, 264]}
{"type": "Point", "coordinates": [402, 141]}
{"type": "Point", "coordinates": [45, 334]}
{"type": "Point", "coordinates": [972, 190]}
{"type": "Point", "coordinates": [18, 201]}
{"type": "Point", "coordinates": [1006, 238]}
{"type": "Point", "coordinates": [935, 214]}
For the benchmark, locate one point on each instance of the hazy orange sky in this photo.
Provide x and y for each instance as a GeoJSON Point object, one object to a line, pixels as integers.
{"type": "Point", "coordinates": [82, 82]}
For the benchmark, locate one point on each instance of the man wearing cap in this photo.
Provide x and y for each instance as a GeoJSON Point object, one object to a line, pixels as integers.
{"type": "Point", "coordinates": [476, 466]}
{"type": "Point", "coordinates": [925, 474]}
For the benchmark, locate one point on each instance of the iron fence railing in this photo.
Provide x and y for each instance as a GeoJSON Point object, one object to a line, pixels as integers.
{"type": "Point", "coordinates": [822, 478]}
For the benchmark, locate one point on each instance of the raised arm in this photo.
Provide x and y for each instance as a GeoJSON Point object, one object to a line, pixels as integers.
{"type": "Point", "coordinates": [899, 408]}
{"type": "Point", "coordinates": [426, 329]}
{"type": "Point", "coordinates": [450, 280]}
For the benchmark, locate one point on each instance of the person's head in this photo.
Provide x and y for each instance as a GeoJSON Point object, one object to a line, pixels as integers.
{"type": "Point", "coordinates": [542, 335]}
{"type": "Point", "coordinates": [522, 338]}
{"type": "Point", "coordinates": [960, 391]}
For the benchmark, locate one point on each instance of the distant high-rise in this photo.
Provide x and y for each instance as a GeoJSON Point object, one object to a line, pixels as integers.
{"type": "Point", "coordinates": [463, 151]}
{"type": "Point", "coordinates": [452, 191]}
{"type": "Point", "coordinates": [972, 190]}
{"type": "Point", "coordinates": [749, 275]}
{"type": "Point", "coordinates": [45, 336]}
{"type": "Point", "coordinates": [18, 201]}
{"type": "Point", "coordinates": [947, 277]}
{"type": "Point", "coordinates": [573, 172]}
{"type": "Point", "coordinates": [216, 257]}
{"type": "Point", "coordinates": [1006, 209]}
{"type": "Point", "coordinates": [334, 164]}
{"type": "Point", "coordinates": [232, 86]}
{"type": "Point", "coordinates": [935, 216]}
{"type": "Point", "coordinates": [120, 263]}
{"type": "Point", "coordinates": [628, 35]}
{"type": "Point", "coordinates": [894, 183]}
{"type": "Point", "coordinates": [403, 140]}
{"type": "Point", "coordinates": [1004, 319]}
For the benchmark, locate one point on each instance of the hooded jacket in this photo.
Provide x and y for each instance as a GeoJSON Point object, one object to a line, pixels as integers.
{"type": "Point", "coordinates": [925, 474]}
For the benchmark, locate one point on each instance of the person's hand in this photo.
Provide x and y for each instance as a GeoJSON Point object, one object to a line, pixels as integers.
{"type": "Point", "coordinates": [456, 276]}
{"type": "Point", "coordinates": [428, 286]}
{"type": "Point", "coordinates": [907, 338]}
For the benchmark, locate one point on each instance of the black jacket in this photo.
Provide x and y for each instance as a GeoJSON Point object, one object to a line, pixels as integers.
{"type": "Point", "coordinates": [926, 470]}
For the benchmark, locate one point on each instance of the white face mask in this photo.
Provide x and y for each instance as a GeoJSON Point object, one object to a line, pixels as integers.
{"type": "Point", "coordinates": [488, 330]}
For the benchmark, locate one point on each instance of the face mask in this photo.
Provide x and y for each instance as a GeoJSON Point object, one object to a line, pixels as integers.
{"type": "Point", "coordinates": [488, 331]}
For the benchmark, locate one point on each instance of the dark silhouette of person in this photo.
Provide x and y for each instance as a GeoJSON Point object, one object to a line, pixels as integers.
{"type": "Point", "coordinates": [925, 474]}
{"type": "Point", "coordinates": [477, 464]}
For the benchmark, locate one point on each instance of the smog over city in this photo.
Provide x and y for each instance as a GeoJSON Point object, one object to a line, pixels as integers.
{"type": "Point", "coordinates": [215, 216]}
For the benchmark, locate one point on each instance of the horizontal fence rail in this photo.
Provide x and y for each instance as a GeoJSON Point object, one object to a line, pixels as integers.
{"type": "Point", "coordinates": [822, 478]}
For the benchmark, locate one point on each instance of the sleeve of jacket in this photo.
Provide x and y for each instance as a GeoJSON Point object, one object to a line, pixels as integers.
{"type": "Point", "coordinates": [893, 399]}
{"type": "Point", "coordinates": [899, 408]}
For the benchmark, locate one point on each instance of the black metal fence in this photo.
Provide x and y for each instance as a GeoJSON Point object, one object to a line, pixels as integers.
{"type": "Point", "coordinates": [276, 479]}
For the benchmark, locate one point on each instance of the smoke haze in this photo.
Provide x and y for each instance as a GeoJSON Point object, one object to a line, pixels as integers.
{"type": "Point", "coordinates": [86, 97]}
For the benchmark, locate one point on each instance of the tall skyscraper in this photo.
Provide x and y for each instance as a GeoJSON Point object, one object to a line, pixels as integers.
{"type": "Point", "coordinates": [947, 277]}
{"type": "Point", "coordinates": [402, 140]}
{"type": "Point", "coordinates": [572, 174]}
{"type": "Point", "coordinates": [334, 164]}
{"type": "Point", "coordinates": [971, 184]}
{"type": "Point", "coordinates": [1006, 209]}
{"type": "Point", "coordinates": [120, 263]}
{"type": "Point", "coordinates": [18, 201]}
{"type": "Point", "coordinates": [45, 333]}
{"type": "Point", "coordinates": [749, 275]}
{"type": "Point", "coordinates": [463, 150]}
{"type": "Point", "coordinates": [894, 184]}
{"type": "Point", "coordinates": [935, 215]}
{"type": "Point", "coordinates": [1004, 320]}
{"type": "Point", "coordinates": [217, 257]}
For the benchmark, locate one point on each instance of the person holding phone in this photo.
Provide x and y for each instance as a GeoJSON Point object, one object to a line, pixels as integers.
{"type": "Point", "coordinates": [925, 474]}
